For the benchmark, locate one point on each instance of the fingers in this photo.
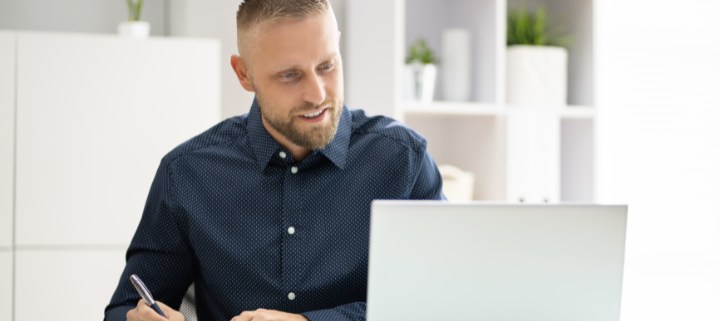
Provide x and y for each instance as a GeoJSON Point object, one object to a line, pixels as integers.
{"type": "Point", "coordinates": [146, 313]}
{"type": "Point", "coordinates": [246, 316]}
{"type": "Point", "coordinates": [171, 314]}
{"type": "Point", "coordinates": [268, 315]}
{"type": "Point", "coordinates": [132, 315]}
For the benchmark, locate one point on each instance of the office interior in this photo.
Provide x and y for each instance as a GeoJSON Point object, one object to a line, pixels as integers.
{"type": "Point", "coordinates": [639, 126]}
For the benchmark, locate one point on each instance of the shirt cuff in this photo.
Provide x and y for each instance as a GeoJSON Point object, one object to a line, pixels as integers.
{"type": "Point", "coordinates": [118, 313]}
{"type": "Point", "coordinates": [348, 312]}
{"type": "Point", "coordinates": [324, 315]}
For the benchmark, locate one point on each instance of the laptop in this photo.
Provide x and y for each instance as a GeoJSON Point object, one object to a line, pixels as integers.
{"type": "Point", "coordinates": [433, 260]}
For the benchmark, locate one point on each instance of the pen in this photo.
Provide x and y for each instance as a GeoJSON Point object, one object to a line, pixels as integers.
{"type": "Point", "coordinates": [145, 294]}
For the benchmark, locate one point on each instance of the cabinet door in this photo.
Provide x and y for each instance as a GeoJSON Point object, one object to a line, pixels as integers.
{"type": "Point", "coordinates": [50, 283]}
{"type": "Point", "coordinates": [95, 118]}
{"type": "Point", "coordinates": [6, 275]}
{"type": "Point", "coordinates": [7, 135]}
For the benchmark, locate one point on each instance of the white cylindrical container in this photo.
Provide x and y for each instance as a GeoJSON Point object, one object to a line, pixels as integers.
{"type": "Point", "coordinates": [134, 29]}
{"type": "Point", "coordinates": [537, 75]}
{"type": "Point", "coordinates": [456, 64]}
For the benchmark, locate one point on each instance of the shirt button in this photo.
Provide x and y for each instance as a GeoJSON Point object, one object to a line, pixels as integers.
{"type": "Point", "coordinates": [291, 296]}
{"type": "Point", "coordinates": [291, 230]}
{"type": "Point", "coordinates": [282, 154]}
{"type": "Point", "coordinates": [293, 169]}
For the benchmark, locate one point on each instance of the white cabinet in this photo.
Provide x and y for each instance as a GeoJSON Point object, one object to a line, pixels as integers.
{"type": "Point", "coordinates": [7, 136]}
{"type": "Point", "coordinates": [517, 153]}
{"type": "Point", "coordinates": [53, 284]}
{"type": "Point", "coordinates": [83, 127]}
{"type": "Point", "coordinates": [94, 119]}
{"type": "Point", "coordinates": [6, 284]}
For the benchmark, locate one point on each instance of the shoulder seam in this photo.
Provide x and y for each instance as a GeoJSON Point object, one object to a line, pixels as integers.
{"type": "Point", "coordinates": [222, 142]}
{"type": "Point", "coordinates": [417, 148]}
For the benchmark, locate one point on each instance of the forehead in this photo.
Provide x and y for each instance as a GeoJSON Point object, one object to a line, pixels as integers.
{"type": "Point", "coordinates": [291, 42]}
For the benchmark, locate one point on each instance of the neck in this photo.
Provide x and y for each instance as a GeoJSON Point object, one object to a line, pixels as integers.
{"type": "Point", "coordinates": [298, 153]}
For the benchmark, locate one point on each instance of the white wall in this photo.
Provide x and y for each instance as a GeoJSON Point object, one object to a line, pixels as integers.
{"type": "Point", "coordinates": [177, 18]}
{"type": "Point", "coordinates": [216, 19]}
{"type": "Point", "coordinates": [658, 150]}
{"type": "Point", "coordinates": [373, 79]}
{"type": "Point", "coordinates": [93, 16]}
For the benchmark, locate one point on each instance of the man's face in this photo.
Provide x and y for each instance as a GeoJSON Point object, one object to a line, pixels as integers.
{"type": "Point", "coordinates": [296, 72]}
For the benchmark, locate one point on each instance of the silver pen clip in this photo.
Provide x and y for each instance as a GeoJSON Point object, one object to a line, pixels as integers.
{"type": "Point", "coordinates": [142, 289]}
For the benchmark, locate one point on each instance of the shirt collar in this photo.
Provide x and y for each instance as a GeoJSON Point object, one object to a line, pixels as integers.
{"type": "Point", "coordinates": [264, 146]}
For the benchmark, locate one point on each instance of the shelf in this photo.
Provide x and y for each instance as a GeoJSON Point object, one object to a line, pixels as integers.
{"type": "Point", "coordinates": [577, 112]}
{"type": "Point", "coordinates": [482, 109]}
{"type": "Point", "coordinates": [452, 108]}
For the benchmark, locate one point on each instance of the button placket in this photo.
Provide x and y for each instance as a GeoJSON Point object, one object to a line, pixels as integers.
{"type": "Point", "coordinates": [290, 252]}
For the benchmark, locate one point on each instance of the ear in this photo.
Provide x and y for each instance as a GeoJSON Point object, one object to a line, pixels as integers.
{"type": "Point", "coordinates": [241, 70]}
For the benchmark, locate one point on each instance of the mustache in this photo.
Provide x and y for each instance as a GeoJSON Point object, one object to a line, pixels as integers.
{"type": "Point", "coordinates": [308, 106]}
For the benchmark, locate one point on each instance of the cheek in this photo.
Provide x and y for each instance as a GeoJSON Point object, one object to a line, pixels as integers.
{"type": "Point", "coordinates": [282, 97]}
{"type": "Point", "coordinates": [334, 84]}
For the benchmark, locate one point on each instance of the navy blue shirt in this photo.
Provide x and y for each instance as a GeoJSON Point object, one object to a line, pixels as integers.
{"type": "Point", "coordinates": [233, 212]}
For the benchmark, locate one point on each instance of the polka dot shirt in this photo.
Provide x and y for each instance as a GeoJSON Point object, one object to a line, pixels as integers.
{"type": "Point", "coordinates": [231, 211]}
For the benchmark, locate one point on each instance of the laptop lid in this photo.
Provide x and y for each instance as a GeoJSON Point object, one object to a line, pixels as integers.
{"type": "Point", "coordinates": [433, 260]}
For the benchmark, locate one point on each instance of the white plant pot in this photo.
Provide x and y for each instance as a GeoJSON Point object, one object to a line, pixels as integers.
{"type": "Point", "coordinates": [134, 29]}
{"type": "Point", "coordinates": [456, 65]}
{"type": "Point", "coordinates": [536, 75]}
{"type": "Point", "coordinates": [420, 81]}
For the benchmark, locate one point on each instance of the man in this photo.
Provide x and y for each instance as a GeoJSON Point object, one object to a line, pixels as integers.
{"type": "Point", "coordinates": [268, 212]}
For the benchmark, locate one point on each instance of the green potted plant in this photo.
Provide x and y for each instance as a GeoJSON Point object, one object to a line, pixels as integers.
{"type": "Point", "coordinates": [134, 27]}
{"type": "Point", "coordinates": [536, 59]}
{"type": "Point", "coordinates": [420, 72]}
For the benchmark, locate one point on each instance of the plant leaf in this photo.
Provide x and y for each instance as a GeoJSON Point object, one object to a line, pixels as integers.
{"type": "Point", "coordinates": [531, 28]}
{"type": "Point", "coordinates": [139, 9]}
{"type": "Point", "coordinates": [131, 10]}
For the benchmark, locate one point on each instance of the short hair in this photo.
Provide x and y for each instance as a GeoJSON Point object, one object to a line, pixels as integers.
{"type": "Point", "coordinates": [252, 14]}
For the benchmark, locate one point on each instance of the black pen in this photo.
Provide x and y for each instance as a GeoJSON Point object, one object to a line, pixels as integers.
{"type": "Point", "coordinates": [145, 294]}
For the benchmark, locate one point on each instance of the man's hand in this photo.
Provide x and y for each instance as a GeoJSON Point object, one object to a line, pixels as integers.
{"type": "Point", "coordinates": [268, 315]}
{"type": "Point", "coordinates": [143, 312]}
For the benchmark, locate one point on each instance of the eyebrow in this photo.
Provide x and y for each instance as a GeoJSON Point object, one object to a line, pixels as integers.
{"type": "Point", "coordinates": [295, 67]}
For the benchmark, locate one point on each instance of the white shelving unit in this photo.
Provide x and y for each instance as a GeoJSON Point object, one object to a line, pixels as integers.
{"type": "Point", "coordinates": [518, 153]}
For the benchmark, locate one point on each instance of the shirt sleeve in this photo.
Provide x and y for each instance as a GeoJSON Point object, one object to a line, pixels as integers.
{"type": "Point", "coordinates": [428, 182]}
{"type": "Point", "coordinates": [159, 253]}
{"type": "Point", "coordinates": [347, 312]}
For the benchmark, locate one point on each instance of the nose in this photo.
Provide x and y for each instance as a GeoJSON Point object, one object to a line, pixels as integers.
{"type": "Point", "coordinates": [314, 89]}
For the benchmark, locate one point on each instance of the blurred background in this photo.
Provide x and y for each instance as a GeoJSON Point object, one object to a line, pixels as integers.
{"type": "Point", "coordinates": [537, 101]}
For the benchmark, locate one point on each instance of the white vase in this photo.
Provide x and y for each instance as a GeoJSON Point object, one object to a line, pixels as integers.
{"type": "Point", "coordinates": [536, 75]}
{"type": "Point", "coordinates": [134, 29]}
{"type": "Point", "coordinates": [420, 81]}
{"type": "Point", "coordinates": [456, 64]}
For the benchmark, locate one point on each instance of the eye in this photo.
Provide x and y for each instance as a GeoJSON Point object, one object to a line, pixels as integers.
{"type": "Point", "coordinates": [326, 67]}
{"type": "Point", "coordinates": [289, 75]}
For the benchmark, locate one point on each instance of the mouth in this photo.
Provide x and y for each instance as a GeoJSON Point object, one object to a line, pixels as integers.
{"type": "Point", "coordinates": [315, 116]}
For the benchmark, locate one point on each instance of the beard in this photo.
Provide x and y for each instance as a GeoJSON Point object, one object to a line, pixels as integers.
{"type": "Point", "coordinates": [313, 137]}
